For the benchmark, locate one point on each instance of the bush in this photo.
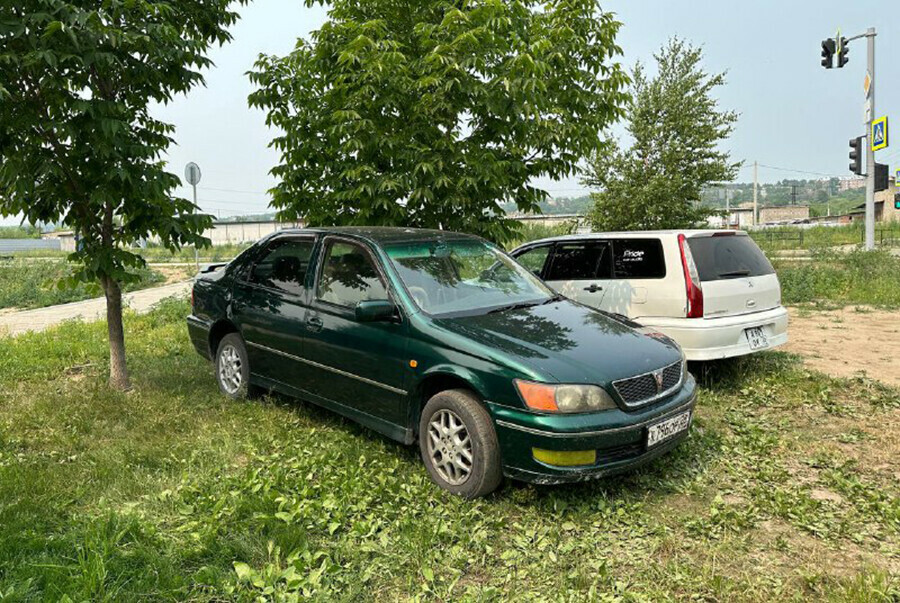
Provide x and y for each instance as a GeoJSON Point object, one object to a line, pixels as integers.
{"type": "Point", "coordinates": [858, 277]}
{"type": "Point", "coordinates": [29, 284]}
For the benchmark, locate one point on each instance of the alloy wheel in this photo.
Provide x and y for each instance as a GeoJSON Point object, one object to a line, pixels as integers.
{"type": "Point", "coordinates": [450, 447]}
{"type": "Point", "coordinates": [230, 369]}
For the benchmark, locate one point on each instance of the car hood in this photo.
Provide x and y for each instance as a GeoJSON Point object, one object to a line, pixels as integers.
{"type": "Point", "coordinates": [567, 342]}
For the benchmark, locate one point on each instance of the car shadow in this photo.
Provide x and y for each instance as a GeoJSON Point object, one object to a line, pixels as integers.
{"type": "Point", "coordinates": [664, 475]}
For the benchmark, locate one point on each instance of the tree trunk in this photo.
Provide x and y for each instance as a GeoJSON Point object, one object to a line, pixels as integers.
{"type": "Point", "coordinates": [118, 371]}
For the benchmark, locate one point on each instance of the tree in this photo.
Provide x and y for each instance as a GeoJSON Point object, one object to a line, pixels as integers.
{"type": "Point", "coordinates": [676, 127]}
{"type": "Point", "coordinates": [77, 142]}
{"type": "Point", "coordinates": [433, 113]}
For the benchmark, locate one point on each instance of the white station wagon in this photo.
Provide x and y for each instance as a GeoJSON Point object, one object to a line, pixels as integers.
{"type": "Point", "coordinates": [713, 291]}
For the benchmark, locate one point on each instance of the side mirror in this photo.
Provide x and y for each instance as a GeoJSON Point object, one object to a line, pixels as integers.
{"type": "Point", "coordinates": [375, 310]}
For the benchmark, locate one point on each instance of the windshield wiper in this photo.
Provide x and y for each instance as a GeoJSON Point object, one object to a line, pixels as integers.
{"type": "Point", "coordinates": [556, 298]}
{"type": "Point", "coordinates": [516, 306]}
{"type": "Point", "coordinates": [734, 273]}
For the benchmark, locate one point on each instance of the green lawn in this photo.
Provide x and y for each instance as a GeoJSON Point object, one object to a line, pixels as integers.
{"type": "Point", "coordinates": [33, 283]}
{"type": "Point", "coordinates": [787, 489]}
{"type": "Point", "coordinates": [837, 279]}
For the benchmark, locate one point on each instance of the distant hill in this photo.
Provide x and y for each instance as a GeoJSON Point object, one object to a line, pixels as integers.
{"type": "Point", "coordinates": [560, 205]}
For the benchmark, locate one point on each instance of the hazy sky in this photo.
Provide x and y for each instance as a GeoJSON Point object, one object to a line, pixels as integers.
{"type": "Point", "coordinates": [794, 114]}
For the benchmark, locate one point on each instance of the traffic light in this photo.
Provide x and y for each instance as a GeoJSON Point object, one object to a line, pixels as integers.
{"type": "Point", "coordinates": [828, 46]}
{"type": "Point", "coordinates": [842, 50]}
{"type": "Point", "coordinates": [856, 155]}
{"type": "Point", "coordinates": [897, 201]}
{"type": "Point", "coordinates": [881, 177]}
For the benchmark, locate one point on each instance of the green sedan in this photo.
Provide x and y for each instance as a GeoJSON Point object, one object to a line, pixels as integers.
{"type": "Point", "coordinates": [443, 339]}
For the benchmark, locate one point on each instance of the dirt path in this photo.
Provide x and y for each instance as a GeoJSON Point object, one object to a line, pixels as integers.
{"type": "Point", "coordinates": [14, 323]}
{"type": "Point", "coordinates": [848, 342]}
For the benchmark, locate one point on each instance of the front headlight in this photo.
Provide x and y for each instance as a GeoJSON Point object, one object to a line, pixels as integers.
{"type": "Point", "coordinates": [564, 398]}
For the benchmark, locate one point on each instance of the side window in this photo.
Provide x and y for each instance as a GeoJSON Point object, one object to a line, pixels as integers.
{"type": "Point", "coordinates": [535, 258]}
{"type": "Point", "coordinates": [283, 265]}
{"type": "Point", "coordinates": [580, 260]}
{"type": "Point", "coordinates": [638, 258]}
{"type": "Point", "coordinates": [349, 276]}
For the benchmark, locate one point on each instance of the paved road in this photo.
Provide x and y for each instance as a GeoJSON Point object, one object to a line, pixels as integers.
{"type": "Point", "coordinates": [91, 309]}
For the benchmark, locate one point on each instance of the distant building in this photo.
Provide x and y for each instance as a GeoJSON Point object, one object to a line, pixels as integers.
{"type": "Point", "coordinates": [884, 206]}
{"type": "Point", "coordinates": [773, 214]}
{"type": "Point", "coordinates": [849, 184]}
{"type": "Point", "coordinates": [739, 218]}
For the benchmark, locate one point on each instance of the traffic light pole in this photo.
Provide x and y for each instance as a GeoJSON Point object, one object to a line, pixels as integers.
{"type": "Point", "coordinates": [870, 154]}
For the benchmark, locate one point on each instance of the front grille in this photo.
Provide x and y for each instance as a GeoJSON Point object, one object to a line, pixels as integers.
{"type": "Point", "coordinates": [642, 389]}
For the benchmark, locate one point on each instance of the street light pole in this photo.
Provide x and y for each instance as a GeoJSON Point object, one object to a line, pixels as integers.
{"type": "Point", "coordinates": [870, 154]}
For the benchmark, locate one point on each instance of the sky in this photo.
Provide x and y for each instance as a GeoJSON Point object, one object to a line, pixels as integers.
{"type": "Point", "coordinates": [795, 117]}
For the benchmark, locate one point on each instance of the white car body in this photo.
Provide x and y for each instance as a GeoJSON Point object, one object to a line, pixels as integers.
{"type": "Point", "coordinates": [719, 299]}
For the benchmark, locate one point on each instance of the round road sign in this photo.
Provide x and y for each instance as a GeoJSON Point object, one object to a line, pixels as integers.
{"type": "Point", "coordinates": [192, 173]}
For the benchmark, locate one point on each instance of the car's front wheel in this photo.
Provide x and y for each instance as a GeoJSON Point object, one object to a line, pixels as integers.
{"type": "Point", "coordinates": [233, 367]}
{"type": "Point", "coordinates": [459, 444]}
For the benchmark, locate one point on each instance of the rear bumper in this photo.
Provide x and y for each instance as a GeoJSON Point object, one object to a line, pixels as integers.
{"type": "Point", "coordinates": [619, 438]}
{"type": "Point", "coordinates": [198, 331]}
{"type": "Point", "coordinates": [715, 338]}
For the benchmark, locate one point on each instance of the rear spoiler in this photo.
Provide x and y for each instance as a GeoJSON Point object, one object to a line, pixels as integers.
{"type": "Point", "coordinates": [212, 267]}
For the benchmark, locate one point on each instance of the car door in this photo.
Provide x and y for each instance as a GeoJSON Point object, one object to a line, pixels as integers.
{"type": "Point", "coordinates": [359, 365]}
{"type": "Point", "coordinates": [269, 307]}
{"type": "Point", "coordinates": [580, 270]}
{"type": "Point", "coordinates": [635, 290]}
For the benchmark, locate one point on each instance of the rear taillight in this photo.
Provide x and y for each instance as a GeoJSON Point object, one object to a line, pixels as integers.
{"type": "Point", "coordinates": [691, 280]}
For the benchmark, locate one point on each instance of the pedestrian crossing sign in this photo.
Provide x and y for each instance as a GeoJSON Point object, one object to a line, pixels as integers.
{"type": "Point", "coordinates": [879, 133]}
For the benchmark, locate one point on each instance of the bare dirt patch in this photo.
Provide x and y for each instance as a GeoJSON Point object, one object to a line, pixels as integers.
{"type": "Point", "coordinates": [174, 274]}
{"type": "Point", "coordinates": [848, 342]}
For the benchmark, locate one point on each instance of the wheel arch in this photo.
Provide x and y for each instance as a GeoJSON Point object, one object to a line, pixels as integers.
{"type": "Point", "coordinates": [440, 379]}
{"type": "Point", "coordinates": [217, 331]}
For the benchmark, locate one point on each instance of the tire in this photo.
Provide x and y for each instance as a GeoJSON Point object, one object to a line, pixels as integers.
{"type": "Point", "coordinates": [447, 419]}
{"type": "Point", "coordinates": [233, 367]}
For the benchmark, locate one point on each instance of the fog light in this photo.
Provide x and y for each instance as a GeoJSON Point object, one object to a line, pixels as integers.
{"type": "Point", "coordinates": [565, 458]}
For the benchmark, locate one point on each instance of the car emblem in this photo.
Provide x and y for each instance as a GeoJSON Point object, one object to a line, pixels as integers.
{"type": "Point", "coordinates": [658, 375]}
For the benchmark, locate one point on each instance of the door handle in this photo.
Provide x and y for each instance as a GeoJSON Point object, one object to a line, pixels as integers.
{"type": "Point", "coordinates": [593, 288]}
{"type": "Point", "coordinates": [314, 323]}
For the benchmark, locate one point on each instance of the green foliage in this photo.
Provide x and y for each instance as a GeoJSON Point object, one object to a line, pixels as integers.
{"type": "Point", "coordinates": [38, 283]}
{"type": "Point", "coordinates": [77, 142]}
{"type": "Point", "coordinates": [532, 232]}
{"type": "Point", "coordinates": [435, 113]}
{"type": "Point", "coordinates": [19, 232]}
{"type": "Point", "coordinates": [676, 127]}
{"type": "Point", "coordinates": [834, 278]}
{"type": "Point", "coordinates": [173, 492]}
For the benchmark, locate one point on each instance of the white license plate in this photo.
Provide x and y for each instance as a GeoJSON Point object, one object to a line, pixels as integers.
{"type": "Point", "coordinates": [662, 431]}
{"type": "Point", "coordinates": [756, 338]}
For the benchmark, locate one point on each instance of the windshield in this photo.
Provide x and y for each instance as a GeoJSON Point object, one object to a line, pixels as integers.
{"type": "Point", "coordinates": [730, 256]}
{"type": "Point", "coordinates": [464, 277]}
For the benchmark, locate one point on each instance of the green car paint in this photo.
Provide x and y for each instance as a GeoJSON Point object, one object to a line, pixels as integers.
{"type": "Point", "coordinates": [381, 373]}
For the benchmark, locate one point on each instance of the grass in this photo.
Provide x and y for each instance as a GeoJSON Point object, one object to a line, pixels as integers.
{"type": "Point", "coordinates": [887, 234]}
{"type": "Point", "coordinates": [786, 490]}
{"type": "Point", "coordinates": [838, 279]}
{"type": "Point", "coordinates": [26, 284]}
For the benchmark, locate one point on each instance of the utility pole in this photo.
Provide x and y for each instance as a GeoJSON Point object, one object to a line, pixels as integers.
{"type": "Point", "coordinates": [870, 154]}
{"type": "Point", "coordinates": [755, 187]}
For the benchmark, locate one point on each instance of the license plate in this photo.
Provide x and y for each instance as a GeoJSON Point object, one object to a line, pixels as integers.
{"type": "Point", "coordinates": [756, 338]}
{"type": "Point", "coordinates": [662, 431]}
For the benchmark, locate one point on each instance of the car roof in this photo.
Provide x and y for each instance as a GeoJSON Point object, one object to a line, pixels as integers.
{"type": "Point", "coordinates": [634, 234]}
{"type": "Point", "coordinates": [382, 235]}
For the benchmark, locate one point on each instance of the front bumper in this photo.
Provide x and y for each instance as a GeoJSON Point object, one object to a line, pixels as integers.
{"type": "Point", "coordinates": [619, 438]}
{"type": "Point", "coordinates": [715, 338]}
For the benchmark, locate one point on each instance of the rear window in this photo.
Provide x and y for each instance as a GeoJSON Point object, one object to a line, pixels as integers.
{"type": "Point", "coordinates": [730, 256]}
{"type": "Point", "coordinates": [638, 258]}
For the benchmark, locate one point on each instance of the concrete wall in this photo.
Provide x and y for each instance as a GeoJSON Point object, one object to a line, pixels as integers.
{"type": "Point", "coordinates": [11, 245]}
{"type": "Point", "coordinates": [768, 215]}
{"type": "Point", "coordinates": [889, 214]}
{"type": "Point", "coordinates": [229, 233]}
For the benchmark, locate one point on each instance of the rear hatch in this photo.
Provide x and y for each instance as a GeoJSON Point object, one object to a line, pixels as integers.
{"type": "Point", "coordinates": [736, 276]}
